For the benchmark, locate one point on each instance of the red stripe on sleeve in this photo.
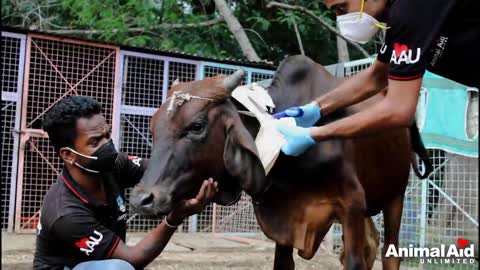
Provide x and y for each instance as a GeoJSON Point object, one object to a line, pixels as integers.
{"type": "Point", "coordinates": [115, 244]}
{"type": "Point", "coordinates": [404, 78]}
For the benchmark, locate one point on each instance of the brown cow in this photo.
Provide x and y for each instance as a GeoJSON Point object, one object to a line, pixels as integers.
{"type": "Point", "coordinates": [203, 135]}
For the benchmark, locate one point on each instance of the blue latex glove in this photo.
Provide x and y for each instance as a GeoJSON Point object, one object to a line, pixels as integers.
{"type": "Point", "coordinates": [305, 116]}
{"type": "Point", "coordinates": [298, 139]}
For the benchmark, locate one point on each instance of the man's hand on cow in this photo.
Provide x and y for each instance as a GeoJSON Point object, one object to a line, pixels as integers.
{"type": "Point", "coordinates": [186, 208]}
{"type": "Point", "coordinates": [298, 139]}
{"type": "Point", "coordinates": [305, 116]}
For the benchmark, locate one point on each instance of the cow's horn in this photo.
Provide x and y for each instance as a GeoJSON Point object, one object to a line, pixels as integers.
{"type": "Point", "coordinates": [232, 81]}
{"type": "Point", "coordinates": [176, 82]}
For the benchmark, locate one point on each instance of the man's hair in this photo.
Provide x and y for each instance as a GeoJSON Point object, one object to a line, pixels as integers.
{"type": "Point", "coordinates": [61, 120]}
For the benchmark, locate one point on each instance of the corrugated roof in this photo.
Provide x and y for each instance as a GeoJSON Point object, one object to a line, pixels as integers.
{"type": "Point", "coordinates": [164, 52]}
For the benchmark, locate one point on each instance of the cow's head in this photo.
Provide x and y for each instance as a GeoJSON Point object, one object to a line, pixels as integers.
{"type": "Point", "coordinates": [198, 134]}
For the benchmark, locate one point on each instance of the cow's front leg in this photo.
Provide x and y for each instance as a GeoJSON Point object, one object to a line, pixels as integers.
{"type": "Point", "coordinates": [392, 216]}
{"type": "Point", "coordinates": [283, 258]}
{"type": "Point", "coordinates": [353, 227]}
{"type": "Point", "coordinates": [372, 240]}
{"type": "Point", "coordinates": [351, 213]}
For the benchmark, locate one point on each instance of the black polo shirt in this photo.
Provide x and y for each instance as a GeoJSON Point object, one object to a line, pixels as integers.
{"type": "Point", "coordinates": [74, 227]}
{"type": "Point", "coordinates": [442, 36]}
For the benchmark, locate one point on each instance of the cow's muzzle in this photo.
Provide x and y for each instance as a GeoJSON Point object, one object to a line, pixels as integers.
{"type": "Point", "coordinates": [150, 201]}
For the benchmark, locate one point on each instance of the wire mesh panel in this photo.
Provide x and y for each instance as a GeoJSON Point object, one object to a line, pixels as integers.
{"type": "Point", "coordinates": [41, 169]}
{"type": "Point", "coordinates": [212, 70]}
{"type": "Point", "coordinates": [184, 72]}
{"type": "Point", "coordinates": [56, 69]}
{"type": "Point", "coordinates": [237, 218]}
{"type": "Point", "coordinates": [142, 81]}
{"type": "Point", "coordinates": [257, 76]}
{"type": "Point", "coordinates": [8, 123]}
{"type": "Point", "coordinates": [353, 67]}
{"type": "Point", "coordinates": [13, 56]}
{"type": "Point", "coordinates": [144, 84]}
{"type": "Point", "coordinates": [136, 140]}
{"type": "Point", "coordinates": [436, 211]}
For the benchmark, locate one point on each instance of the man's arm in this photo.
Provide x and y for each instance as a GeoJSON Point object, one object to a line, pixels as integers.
{"type": "Point", "coordinates": [397, 109]}
{"type": "Point", "coordinates": [355, 89]}
{"type": "Point", "coordinates": [153, 244]}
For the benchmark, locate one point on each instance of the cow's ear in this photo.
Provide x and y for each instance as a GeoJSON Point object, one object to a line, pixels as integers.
{"type": "Point", "coordinates": [229, 191]}
{"type": "Point", "coordinates": [241, 159]}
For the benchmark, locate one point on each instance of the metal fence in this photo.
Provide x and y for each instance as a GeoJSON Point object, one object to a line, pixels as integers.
{"type": "Point", "coordinates": [54, 69]}
{"type": "Point", "coordinates": [131, 86]}
{"type": "Point", "coordinates": [13, 55]}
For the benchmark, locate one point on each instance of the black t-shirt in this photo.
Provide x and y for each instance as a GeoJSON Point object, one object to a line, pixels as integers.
{"type": "Point", "coordinates": [74, 227]}
{"type": "Point", "coordinates": [442, 36]}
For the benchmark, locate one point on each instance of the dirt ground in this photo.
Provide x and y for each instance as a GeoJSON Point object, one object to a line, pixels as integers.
{"type": "Point", "coordinates": [186, 251]}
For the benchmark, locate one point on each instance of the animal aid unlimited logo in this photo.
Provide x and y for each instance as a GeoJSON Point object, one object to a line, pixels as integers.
{"type": "Point", "coordinates": [439, 49]}
{"type": "Point", "coordinates": [401, 54]}
{"type": "Point", "coordinates": [87, 244]}
{"type": "Point", "coordinates": [461, 253]}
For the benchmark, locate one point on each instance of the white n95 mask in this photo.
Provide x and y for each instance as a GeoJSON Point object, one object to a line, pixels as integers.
{"type": "Point", "coordinates": [358, 26]}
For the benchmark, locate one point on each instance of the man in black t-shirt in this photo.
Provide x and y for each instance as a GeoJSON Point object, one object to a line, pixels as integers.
{"type": "Point", "coordinates": [442, 36]}
{"type": "Point", "coordinates": [83, 217]}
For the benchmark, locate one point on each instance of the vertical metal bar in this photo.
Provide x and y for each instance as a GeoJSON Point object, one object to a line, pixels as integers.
{"type": "Point", "coordinates": [249, 76]}
{"type": "Point", "coordinates": [22, 141]}
{"type": "Point", "coordinates": [18, 111]}
{"type": "Point", "coordinates": [214, 217]}
{"type": "Point", "coordinates": [423, 214]}
{"type": "Point", "coordinates": [198, 71]}
{"type": "Point", "coordinates": [117, 97]}
{"type": "Point", "coordinates": [192, 223]}
{"type": "Point", "coordinates": [201, 71]}
{"type": "Point", "coordinates": [166, 65]}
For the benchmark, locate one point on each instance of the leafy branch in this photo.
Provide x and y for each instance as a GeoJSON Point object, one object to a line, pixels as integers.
{"type": "Point", "coordinates": [322, 21]}
{"type": "Point", "coordinates": [141, 29]}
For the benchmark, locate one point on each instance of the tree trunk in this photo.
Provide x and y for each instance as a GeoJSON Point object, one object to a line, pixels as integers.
{"type": "Point", "coordinates": [237, 31]}
{"type": "Point", "coordinates": [342, 49]}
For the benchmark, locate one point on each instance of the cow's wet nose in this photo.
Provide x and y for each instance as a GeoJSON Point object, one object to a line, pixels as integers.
{"type": "Point", "coordinates": [142, 199]}
{"type": "Point", "coordinates": [146, 199]}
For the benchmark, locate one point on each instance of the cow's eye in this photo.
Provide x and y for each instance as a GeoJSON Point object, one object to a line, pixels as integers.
{"type": "Point", "coordinates": [197, 127]}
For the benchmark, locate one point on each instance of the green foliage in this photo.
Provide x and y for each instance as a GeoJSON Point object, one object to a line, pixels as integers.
{"type": "Point", "coordinates": [135, 22]}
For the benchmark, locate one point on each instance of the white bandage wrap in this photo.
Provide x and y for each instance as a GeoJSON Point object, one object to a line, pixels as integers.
{"type": "Point", "coordinates": [269, 141]}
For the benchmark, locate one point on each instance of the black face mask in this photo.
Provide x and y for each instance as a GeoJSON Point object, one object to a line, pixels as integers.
{"type": "Point", "coordinates": [100, 161]}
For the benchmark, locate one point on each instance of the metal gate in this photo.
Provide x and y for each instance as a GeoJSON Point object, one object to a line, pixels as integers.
{"type": "Point", "coordinates": [54, 69]}
{"type": "Point", "coordinates": [13, 55]}
{"type": "Point", "coordinates": [129, 85]}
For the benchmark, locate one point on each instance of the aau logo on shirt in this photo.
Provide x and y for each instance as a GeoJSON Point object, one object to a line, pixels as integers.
{"type": "Point", "coordinates": [402, 54]}
{"type": "Point", "coordinates": [136, 160]}
{"type": "Point", "coordinates": [87, 245]}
